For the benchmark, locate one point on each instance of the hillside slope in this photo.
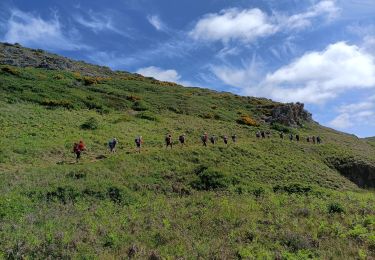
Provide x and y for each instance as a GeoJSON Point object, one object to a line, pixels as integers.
{"type": "Point", "coordinates": [268, 198]}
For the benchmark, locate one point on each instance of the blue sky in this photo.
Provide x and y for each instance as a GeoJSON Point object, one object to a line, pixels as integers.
{"type": "Point", "coordinates": [319, 52]}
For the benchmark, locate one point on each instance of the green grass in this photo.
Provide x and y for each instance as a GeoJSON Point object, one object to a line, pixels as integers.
{"type": "Point", "coordinates": [254, 199]}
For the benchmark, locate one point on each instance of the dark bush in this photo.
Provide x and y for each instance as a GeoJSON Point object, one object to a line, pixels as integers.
{"type": "Point", "coordinates": [148, 116]}
{"type": "Point", "coordinates": [10, 70]}
{"type": "Point", "coordinates": [294, 188]}
{"type": "Point", "coordinates": [210, 180]}
{"type": "Point", "coordinates": [280, 128]}
{"type": "Point", "coordinates": [139, 105]}
{"type": "Point", "coordinates": [335, 207]}
{"type": "Point", "coordinates": [258, 192]}
{"type": "Point", "coordinates": [114, 194]}
{"type": "Point", "coordinates": [57, 103]}
{"type": "Point", "coordinates": [296, 242]}
{"type": "Point", "coordinates": [91, 124]}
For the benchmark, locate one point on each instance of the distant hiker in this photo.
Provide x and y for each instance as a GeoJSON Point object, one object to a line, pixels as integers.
{"type": "Point", "coordinates": [234, 138]}
{"type": "Point", "coordinates": [313, 139]}
{"type": "Point", "coordinates": [308, 139]}
{"type": "Point", "coordinates": [291, 137]}
{"type": "Point", "coordinates": [268, 134]}
{"type": "Point", "coordinates": [204, 139]}
{"type": "Point", "coordinates": [281, 135]}
{"type": "Point", "coordinates": [225, 139]}
{"type": "Point", "coordinates": [318, 139]}
{"type": "Point", "coordinates": [257, 134]}
{"type": "Point", "coordinates": [213, 139]}
{"type": "Point", "coordinates": [112, 145]}
{"type": "Point", "coordinates": [263, 134]}
{"type": "Point", "coordinates": [181, 139]}
{"type": "Point", "coordinates": [78, 148]}
{"type": "Point", "coordinates": [138, 143]}
{"type": "Point", "coordinates": [168, 141]}
{"type": "Point", "coordinates": [297, 137]}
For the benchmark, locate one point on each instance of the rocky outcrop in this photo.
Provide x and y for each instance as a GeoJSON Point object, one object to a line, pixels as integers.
{"type": "Point", "coordinates": [361, 173]}
{"type": "Point", "coordinates": [16, 55]}
{"type": "Point", "coordinates": [291, 114]}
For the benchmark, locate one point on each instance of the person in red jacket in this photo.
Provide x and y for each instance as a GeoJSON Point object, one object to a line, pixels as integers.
{"type": "Point", "coordinates": [78, 148]}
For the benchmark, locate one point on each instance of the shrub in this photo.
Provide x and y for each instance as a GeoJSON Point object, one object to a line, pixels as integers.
{"type": "Point", "coordinates": [91, 124]}
{"type": "Point", "coordinates": [292, 188]}
{"type": "Point", "coordinates": [335, 207]}
{"type": "Point", "coordinates": [140, 106]}
{"type": "Point", "coordinates": [133, 98]}
{"type": "Point", "coordinates": [10, 70]}
{"type": "Point", "coordinates": [210, 180]}
{"type": "Point", "coordinates": [258, 192]}
{"type": "Point", "coordinates": [280, 128]}
{"type": "Point", "coordinates": [89, 81]}
{"type": "Point", "coordinates": [247, 120]}
{"type": "Point", "coordinates": [58, 77]}
{"type": "Point", "coordinates": [148, 116]}
{"type": "Point", "coordinates": [57, 103]}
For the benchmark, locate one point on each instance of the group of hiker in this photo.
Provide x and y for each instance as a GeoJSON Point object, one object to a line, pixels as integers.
{"type": "Point", "coordinates": [267, 134]}
{"type": "Point", "coordinates": [79, 147]}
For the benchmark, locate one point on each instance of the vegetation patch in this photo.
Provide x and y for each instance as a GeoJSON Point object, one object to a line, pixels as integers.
{"type": "Point", "coordinates": [91, 124]}
{"type": "Point", "coordinates": [247, 120]}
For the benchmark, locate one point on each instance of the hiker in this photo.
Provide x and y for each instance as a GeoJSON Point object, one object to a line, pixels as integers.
{"type": "Point", "coordinates": [168, 141]}
{"type": "Point", "coordinates": [263, 134]}
{"type": "Point", "coordinates": [318, 139]}
{"type": "Point", "coordinates": [308, 139]}
{"type": "Point", "coordinates": [78, 148]}
{"type": "Point", "coordinates": [281, 135]}
{"type": "Point", "coordinates": [204, 139]}
{"type": "Point", "coordinates": [268, 134]}
{"type": "Point", "coordinates": [257, 134]}
{"type": "Point", "coordinates": [291, 137]}
{"type": "Point", "coordinates": [181, 138]}
{"type": "Point", "coordinates": [213, 139]}
{"type": "Point", "coordinates": [297, 137]}
{"type": "Point", "coordinates": [139, 142]}
{"type": "Point", "coordinates": [225, 139]}
{"type": "Point", "coordinates": [112, 145]}
{"type": "Point", "coordinates": [313, 139]}
{"type": "Point", "coordinates": [234, 138]}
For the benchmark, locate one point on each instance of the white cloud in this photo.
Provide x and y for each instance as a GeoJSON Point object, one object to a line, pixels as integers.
{"type": "Point", "coordinates": [315, 77]}
{"type": "Point", "coordinates": [248, 25]}
{"type": "Point", "coordinates": [160, 74]}
{"type": "Point", "coordinates": [350, 115]}
{"type": "Point", "coordinates": [233, 24]}
{"type": "Point", "coordinates": [155, 21]}
{"type": "Point", "coordinates": [326, 8]}
{"type": "Point", "coordinates": [33, 31]}
{"type": "Point", "coordinates": [98, 22]}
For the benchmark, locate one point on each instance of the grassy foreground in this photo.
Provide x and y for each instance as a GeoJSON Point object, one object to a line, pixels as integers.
{"type": "Point", "coordinates": [255, 199]}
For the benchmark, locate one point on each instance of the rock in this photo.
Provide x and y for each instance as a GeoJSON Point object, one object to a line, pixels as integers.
{"type": "Point", "coordinates": [291, 114]}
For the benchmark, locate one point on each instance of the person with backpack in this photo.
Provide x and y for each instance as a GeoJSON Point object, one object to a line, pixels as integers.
{"type": "Point", "coordinates": [181, 138]}
{"type": "Point", "coordinates": [225, 139]}
{"type": "Point", "coordinates": [297, 137]}
{"type": "Point", "coordinates": [308, 139]}
{"type": "Point", "coordinates": [78, 148]}
{"type": "Point", "coordinates": [318, 139]}
{"type": "Point", "coordinates": [112, 145]}
{"type": "Point", "coordinates": [281, 135]}
{"type": "Point", "coordinates": [234, 138]}
{"type": "Point", "coordinates": [268, 134]}
{"type": "Point", "coordinates": [263, 134]}
{"type": "Point", "coordinates": [168, 141]}
{"type": "Point", "coordinates": [257, 134]}
{"type": "Point", "coordinates": [138, 143]}
{"type": "Point", "coordinates": [213, 139]}
{"type": "Point", "coordinates": [204, 139]}
{"type": "Point", "coordinates": [291, 137]}
{"type": "Point", "coordinates": [313, 139]}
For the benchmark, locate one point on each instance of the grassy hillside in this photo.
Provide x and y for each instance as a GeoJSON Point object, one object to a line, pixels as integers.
{"type": "Point", "coordinates": [266, 199]}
